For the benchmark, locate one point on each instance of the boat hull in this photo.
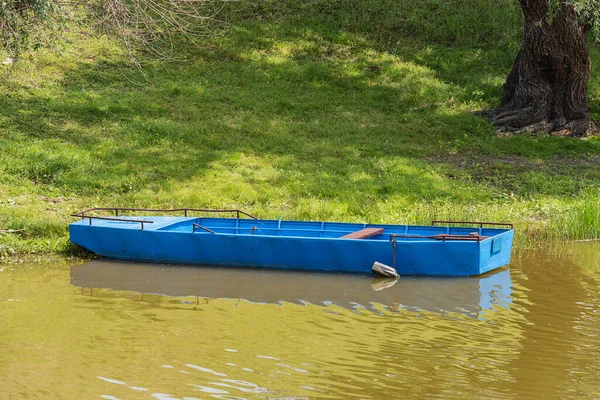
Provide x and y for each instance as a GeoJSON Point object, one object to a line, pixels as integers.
{"type": "Point", "coordinates": [171, 242]}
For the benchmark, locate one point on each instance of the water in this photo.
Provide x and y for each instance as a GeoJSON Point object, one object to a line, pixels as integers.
{"type": "Point", "coordinates": [112, 330]}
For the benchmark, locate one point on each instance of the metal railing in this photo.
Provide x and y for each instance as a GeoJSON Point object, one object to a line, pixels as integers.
{"type": "Point", "coordinates": [481, 224]}
{"type": "Point", "coordinates": [85, 213]}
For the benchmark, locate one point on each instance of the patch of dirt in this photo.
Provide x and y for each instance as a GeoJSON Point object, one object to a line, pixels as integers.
{"type": "Point", "coordinates": [516, 162]}
{"type": "Point", "coordinates": [508, 172]}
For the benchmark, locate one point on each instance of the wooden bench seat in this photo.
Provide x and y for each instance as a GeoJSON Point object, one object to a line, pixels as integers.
{"type": "Point", "coordinates": [363, 233]}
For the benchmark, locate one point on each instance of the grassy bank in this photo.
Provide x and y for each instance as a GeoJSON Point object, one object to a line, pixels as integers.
{"type": "Point", "coordinates": [327, 110]}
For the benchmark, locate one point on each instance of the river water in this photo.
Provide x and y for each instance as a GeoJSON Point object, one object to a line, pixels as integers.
{"type": "Point", "coordinates": [110, 330]}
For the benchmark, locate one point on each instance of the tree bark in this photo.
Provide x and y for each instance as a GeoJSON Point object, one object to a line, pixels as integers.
{"type": "Point", "coordinates": [546, 91]}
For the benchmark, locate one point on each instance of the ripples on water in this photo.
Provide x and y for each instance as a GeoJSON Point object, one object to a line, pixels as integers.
{"type": "Point", "coordinates": [127, 331]}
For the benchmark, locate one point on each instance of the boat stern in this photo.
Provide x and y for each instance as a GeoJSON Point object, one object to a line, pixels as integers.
{"type": "Point", "coordinates": [495, 252]}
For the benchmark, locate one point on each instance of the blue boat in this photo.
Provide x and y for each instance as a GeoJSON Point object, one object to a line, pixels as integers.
{"type": "Point", "coordinates": [442, 249]}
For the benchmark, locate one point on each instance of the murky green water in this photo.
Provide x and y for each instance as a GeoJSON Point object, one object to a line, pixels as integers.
{"type": "Point", "coordinates": [125, 331]}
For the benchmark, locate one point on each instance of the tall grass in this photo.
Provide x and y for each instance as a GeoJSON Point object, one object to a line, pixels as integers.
{"type": "Point", "coordinates": [579, 221]}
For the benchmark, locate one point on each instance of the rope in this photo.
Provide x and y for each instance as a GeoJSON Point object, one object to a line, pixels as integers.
{"type": "Point", "coordinates": [393, 240]}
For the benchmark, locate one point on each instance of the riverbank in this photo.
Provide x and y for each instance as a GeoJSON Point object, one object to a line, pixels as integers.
{"type": "Point", "coordinates": [284, 116]}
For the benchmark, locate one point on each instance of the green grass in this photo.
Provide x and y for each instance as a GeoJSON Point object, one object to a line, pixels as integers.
{"type": "Point", "coordinates": [337, 110]}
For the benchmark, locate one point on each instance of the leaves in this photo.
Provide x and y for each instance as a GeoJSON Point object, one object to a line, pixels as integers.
{"type": "Point", "coordinates": [588, 13]}
{"type": "Point", "coordinates": [26, 21]}
{"type": "Point", "coordinates": [151, 27]}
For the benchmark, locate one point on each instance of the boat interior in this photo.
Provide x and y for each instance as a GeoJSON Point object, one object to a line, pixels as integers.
{"type": "Point", "coordinates": [234, 226]}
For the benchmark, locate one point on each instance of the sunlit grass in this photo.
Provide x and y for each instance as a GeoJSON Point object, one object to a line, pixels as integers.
{"type": "Point", "coordinates": [322, 120]}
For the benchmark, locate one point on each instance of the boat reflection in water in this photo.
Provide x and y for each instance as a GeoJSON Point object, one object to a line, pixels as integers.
{"type": "Point", "coordinates": [464, 295]}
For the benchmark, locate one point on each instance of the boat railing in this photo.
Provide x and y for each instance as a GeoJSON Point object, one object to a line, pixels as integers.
{"type": "Point", "coordinates": [85, 214]}
{"type": "Point", "coordinates": [481, 224]}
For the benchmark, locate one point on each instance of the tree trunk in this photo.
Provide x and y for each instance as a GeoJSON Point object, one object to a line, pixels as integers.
{"type": "Point", "coordinates": [546, 91]}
